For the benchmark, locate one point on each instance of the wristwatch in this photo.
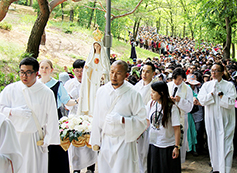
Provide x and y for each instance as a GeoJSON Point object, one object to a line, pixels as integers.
{"type": "Point", "coordinates": [177, 146]}
{"type": "Point", "coordinates": [76, 101]}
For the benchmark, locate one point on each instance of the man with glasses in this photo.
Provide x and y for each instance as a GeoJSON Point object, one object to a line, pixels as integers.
{"type": "Point", "coordinates": [80, 157]}
{"type": "Point", "coordinates": [30, 105]}
{"type": "Point", "coordinates": [218, 96]}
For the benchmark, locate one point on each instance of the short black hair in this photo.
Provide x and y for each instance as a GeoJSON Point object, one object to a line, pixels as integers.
{"type": "Point", "coordinates": [222, 68]}
{"type": "Point", "coordinates": [30, 61]}
{"type": "Point", "coordinates": [151, 64]}
{"type": "Point", "coordinates": [178, 72]}
{"type": "Point", "coordinates": [79, 63]}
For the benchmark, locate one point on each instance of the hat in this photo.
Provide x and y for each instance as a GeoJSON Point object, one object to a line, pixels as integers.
{"type": "Point", "coordinates": [206, 75]}
{"type": "Point", "coordinates": [63, 77]}
{"type": "Point", "coordinates": [168, 71]}
{"type": "Point", "coordinates": [192, 81]}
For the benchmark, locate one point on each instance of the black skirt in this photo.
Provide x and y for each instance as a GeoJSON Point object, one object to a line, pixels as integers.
{"type": "Point", "coordinates": [58, 160]}
{"type": "Point", "coordinates": [160, 160]}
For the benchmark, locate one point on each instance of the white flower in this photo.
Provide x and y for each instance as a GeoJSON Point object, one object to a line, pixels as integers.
{"type": "Point", "coordinates": [63, 119]}
{"type": "Point", "coordinates": [71, 125]}
{"type": "Point", "coordinates": [85, 117]}
{"type": "Point", "coordinates": [78, 128]}
{"type": "Point", "coordinates": [63, 125]}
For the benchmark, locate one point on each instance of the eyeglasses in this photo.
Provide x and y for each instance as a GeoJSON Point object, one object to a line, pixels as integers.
{"type": "Point", "coordinates": [78, 71]}
{"type": "Point", "coordinates": [27, 73]}
{"type": "Point", "coordinates": [215, 71]}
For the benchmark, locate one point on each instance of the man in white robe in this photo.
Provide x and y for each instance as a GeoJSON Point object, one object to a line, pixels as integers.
{"type": "Point", "coordinates": [144, 88]}
{"type": "Point", "coordinates": [218, 97]}
{"type": "Point", "coordinates": [19, 101]}
{"type": "Point", "coordinates": [10, 150]}
{"type": "Point", "coordinates": [183, 98]}
{"type": "Point", "coordinates": [79, 157]}
{"type": "Point", "coordinates": [118, 120]}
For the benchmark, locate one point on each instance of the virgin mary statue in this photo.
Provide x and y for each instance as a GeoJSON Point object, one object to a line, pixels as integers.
{"type": "Point", "coordinates": [95, 72]}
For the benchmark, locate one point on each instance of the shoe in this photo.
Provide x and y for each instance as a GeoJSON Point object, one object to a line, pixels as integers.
{"type": "Point", "coordinates": [195, 154]}
{"type": "Point", "coordinates": [214, 171]}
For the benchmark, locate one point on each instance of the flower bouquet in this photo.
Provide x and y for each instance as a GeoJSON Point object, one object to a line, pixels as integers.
{"type": "Point", "coordinates": [76, 130]}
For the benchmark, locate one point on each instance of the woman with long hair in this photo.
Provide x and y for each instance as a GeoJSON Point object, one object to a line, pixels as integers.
{"type": "Point", "coordinates": [164, 133]}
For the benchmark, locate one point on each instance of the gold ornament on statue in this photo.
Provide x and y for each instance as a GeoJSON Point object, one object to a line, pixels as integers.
{"type": "Point", "coordinates": [97, 34]}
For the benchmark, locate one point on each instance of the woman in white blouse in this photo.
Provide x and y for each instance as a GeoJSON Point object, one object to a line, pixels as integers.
{"type": "Point", "coordinates": [164, 133]}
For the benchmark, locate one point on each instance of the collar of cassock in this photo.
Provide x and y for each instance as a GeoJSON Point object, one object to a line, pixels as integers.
{"type": "Point", "coordinates": [35, 87]}
{"type": "Point", "coordinates": [121, 90]}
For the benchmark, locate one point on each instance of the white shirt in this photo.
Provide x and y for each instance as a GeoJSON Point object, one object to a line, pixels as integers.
{"type": "Point", "coordinates": [164, 137]}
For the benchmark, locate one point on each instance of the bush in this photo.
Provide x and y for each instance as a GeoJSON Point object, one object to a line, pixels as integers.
{"type": "Point", "coordinates": [68, 30]}
{"type": "Point", "coordinates": [7, 79]}
{"type": "Point", "coordinates": [6, 26]}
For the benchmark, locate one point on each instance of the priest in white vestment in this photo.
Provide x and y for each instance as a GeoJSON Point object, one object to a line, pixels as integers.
{"type": "Point", "coordinates": [10, 150]}
{"type": "Point", "coordinates": [19, 101]}
{"type": "Point", "coordinates": [182, 95]}
{"type": "Point", "coordinates": [79, 157]}
{"type": "Point", "coordinates": [118, 120]}
{"type": "Point", "coordinates": [218, 98]}
{"type": "Point", "coordinates": [144, 88]}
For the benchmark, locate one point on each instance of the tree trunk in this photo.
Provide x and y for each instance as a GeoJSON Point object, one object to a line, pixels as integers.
{"type": "Point", "coordinates": [4, 5]}
{"type": "Point", "coordinates": [134, 28]}
{"type": "Point", "coordinates": [71, 15]}
{"type": "Point", "coordinates": [184, 30]}
{"type": "Point", "coordinates": [167, 29]}
{"type": "Point", "coordinates": [31, 3]}
{"type": "Point", "coordinates": [91, 17]}
{"type": "Point", "coordinates": [43, 38]}
{"type": "Point", "coordinates": [62, 12]}
{"type": "Point", "coordinates": [228, 39]}
{"type": "Point", "coordinates": [38, 29]}
{"type": "Point", "coordinates": [233, 51]}
{"type": "Point", "coordinates": [138, 24]}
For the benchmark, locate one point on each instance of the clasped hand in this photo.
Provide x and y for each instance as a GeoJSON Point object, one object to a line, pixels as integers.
{"type": "Point", "coordinates": [21, 111]}
{"type": "Point", "coordinates": [113, 118]}
{"type": "Point", "coordinates": [175, 99]}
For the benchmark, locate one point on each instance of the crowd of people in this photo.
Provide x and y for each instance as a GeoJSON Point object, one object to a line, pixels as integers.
{"type": "Point", "coordinates": [146, 115]}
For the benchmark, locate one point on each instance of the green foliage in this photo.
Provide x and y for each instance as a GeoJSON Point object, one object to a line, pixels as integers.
{"type": "Point", "coordinates": [25, 54]}
{"type": "Point", "coordinates": [6, 79]}
{"type": "Point", "coordinates": [35, 5]}
{"type": "Point", "coordinates": [6, 26]}
{"type": "Point", "coordinates": [21, 2]}
{"type": "Point", "coordinates": [68, 30]}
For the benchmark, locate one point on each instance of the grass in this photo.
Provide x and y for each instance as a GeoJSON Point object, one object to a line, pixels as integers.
{"type": "Point", "coordinates": [6, 26]}
{"type": "Point", "coordinates": [125, 50]}
{"type": "Point", "coordinates": [10, 50]}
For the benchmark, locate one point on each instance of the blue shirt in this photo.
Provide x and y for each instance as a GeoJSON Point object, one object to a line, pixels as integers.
{"type": "Point", "coordinates": [62, 96]}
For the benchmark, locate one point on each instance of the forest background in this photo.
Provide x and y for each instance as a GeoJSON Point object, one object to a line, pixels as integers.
{"type": "Point", "coordinates": [68, 26]}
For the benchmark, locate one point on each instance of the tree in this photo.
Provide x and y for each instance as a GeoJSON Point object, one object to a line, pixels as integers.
{"type": "Point", "coordinates": [219, 18]}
